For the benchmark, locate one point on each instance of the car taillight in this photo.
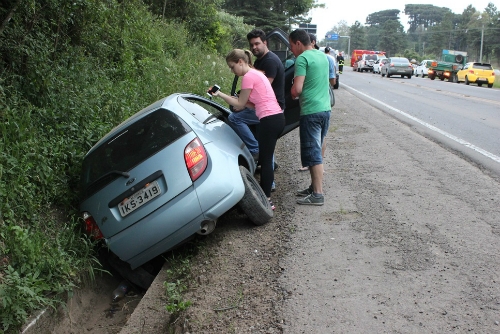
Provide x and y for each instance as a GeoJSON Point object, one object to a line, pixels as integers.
{"type": "Point", "coordinates": [196, 159]}
{"type": "Point", "coordinates": [91, 227]}
{"type": "Point", "coordinates": [471, 71]}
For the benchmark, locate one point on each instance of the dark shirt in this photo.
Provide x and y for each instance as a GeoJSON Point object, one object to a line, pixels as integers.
{"type": "Point", "coordinates": [272, 67]}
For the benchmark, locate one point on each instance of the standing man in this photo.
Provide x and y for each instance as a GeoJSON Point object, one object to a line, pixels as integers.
{"type": "Point", "coordinates": [273, 69]}
{"type": "Point", "coordinates": [311, 87]}
{"type": "Point", "coordinates": [332, 77]}
{"type": "Point", "coordinates": [340, 60]}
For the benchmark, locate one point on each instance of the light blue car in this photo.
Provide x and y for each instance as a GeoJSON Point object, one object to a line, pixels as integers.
{"type": "Point", "coordinates": [169, 172]}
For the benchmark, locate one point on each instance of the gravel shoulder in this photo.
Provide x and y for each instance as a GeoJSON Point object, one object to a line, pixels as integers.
{"type": "Point", "coordinates": [407, 242]}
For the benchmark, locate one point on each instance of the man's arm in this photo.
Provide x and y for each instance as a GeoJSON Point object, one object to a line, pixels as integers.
{"type": "Point", "coordinates": [298, 84]}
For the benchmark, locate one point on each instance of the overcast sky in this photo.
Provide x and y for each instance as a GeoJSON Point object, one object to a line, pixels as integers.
{"type": "Point", "coordinates": [335, 11]}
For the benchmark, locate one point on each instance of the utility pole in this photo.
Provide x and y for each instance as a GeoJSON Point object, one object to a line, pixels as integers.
{"type": "Point", "coordinates": [481, 51]}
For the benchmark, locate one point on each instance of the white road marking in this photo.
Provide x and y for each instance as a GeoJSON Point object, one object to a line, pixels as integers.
{"type": "Point", "coordinates": [433, 128]}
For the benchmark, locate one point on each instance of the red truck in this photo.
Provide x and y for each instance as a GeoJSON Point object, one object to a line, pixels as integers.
{"type": "Point", "coordinates": [358, 54]}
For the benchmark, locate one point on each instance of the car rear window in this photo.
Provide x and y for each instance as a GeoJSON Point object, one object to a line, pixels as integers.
{"type": "Point", "coordinates": [481, 66]}
{"type": "Point", "coordinates": [371, 57]}
{"type": "Point", "coordinates": [130, 147]}
{"type": "Point", "coordinates": [400, 61]}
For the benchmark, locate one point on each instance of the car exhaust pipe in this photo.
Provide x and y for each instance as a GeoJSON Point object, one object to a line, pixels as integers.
{"type": "Point", "coordinates": [207, 227]}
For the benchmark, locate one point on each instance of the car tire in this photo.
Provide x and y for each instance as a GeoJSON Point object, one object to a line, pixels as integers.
{"type": "Point", "coordinates": [382, 74]}
{"type": "Point", "coordinates": [409, 77]}
{"type": "Point", "coordinates": [254, 202]}
{"type": "Point", "coordinates": [490, 85]}
{"type": "Point", "coordinates": [480, 84]}
{"type": "Point", "coordinates": [454, 78]}
{"type": "Point", "coordinates": [416, 75]}
{"type": "Point", "coordinates": [432, 77]}
{"type": "Point", "coordinates": [467, 80]}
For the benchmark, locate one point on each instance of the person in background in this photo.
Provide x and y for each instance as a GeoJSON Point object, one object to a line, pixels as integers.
{"type": "Point", "coordinates": [311, 87]}
{"type": "Point", "coordinates": [340, 61]}
{"type": "Point", "coordinates": [256, 90]}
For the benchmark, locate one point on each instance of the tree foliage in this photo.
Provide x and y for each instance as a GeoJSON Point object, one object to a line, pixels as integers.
{"type": "Point", "coordinates": [379, 18]}
{"type": "Point", "coordinates": [269, 14]}
{"type": "Point", "coordinates": [426, 15]}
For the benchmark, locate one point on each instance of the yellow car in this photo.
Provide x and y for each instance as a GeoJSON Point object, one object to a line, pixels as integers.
{"type": "Point", "coordinates": [478, 73]}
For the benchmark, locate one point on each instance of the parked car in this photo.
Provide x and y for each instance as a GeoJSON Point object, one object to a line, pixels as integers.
{"type": "Point", "coordinates": [334, 56]}
{"type": "Point", "coordinates": [397, 66]}
{"type": "Point", "coordinates": [478, 73]}
{"type": "Point", "coordinates": [169, 172]}
{"type": "Point", "coordinates": [378, 65]}
{"type": "Point", "coordinates": [422, 69]}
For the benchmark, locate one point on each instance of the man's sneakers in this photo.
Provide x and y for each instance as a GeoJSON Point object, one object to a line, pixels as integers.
{"type": "Point", "coordinates": [273, 207]}
{"type": "Point", "coordinates": [310, 198]}
{"type": "Point", "coordinates": [305, 192]}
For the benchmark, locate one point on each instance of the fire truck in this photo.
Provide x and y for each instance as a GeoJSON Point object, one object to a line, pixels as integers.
{"type": "Point", "coordinates": [358, 54]}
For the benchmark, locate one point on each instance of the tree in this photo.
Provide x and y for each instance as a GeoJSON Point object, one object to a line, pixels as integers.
{"type": "Point", "coordinates": [392, 39]}
{"type": "Point", "coordinates": [378, 18]}
{"type": "Point", "coordinates": [358, 38]}
{"type": "Point", "coordinates": [269, 14]}
{"type": "Point", "coordinates": [426, 15]}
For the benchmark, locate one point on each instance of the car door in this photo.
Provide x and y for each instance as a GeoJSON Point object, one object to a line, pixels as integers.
{"type": "Point", "coordinates": [277, 42]}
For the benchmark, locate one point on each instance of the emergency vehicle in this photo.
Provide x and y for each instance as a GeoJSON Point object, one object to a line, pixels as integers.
{"type": "Point", "coordinates": [357, 55]}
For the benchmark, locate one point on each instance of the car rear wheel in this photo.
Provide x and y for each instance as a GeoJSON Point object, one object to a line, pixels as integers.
{"type": "Point", "coordinates": [490, 85]}
{"type": "Point", "coordinates": [467, 81]}
{"type": "Point", "coordinates": [254, 203]}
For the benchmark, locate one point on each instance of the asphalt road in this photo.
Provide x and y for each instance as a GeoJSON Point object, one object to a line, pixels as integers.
{"type": "Point", "coordinates": [464, 118]}
{"type": "Point", "coordinates": [408, 238]}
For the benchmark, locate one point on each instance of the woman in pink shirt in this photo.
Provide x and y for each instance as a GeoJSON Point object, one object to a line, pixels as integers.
{"type": "Point", "coordinates": [257, 93]}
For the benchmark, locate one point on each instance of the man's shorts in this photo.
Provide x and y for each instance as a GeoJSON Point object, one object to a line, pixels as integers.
{"type": "Point", "coordinates": [313, 129]}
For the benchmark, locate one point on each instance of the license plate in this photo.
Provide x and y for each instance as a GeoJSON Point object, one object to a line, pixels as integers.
{"type": "Point", "coordinates": [146, 194]}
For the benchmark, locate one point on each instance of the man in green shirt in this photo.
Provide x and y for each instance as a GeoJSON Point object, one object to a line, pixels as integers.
{"type": "Point", "coordinates": [311, 87]}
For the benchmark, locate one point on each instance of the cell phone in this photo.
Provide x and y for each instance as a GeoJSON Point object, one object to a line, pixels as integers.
{"type": "Point", "coordinates": [214, 89]}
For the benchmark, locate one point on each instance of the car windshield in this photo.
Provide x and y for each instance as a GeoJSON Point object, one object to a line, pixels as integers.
{"type": "Point", "coordinates": [129, 147]}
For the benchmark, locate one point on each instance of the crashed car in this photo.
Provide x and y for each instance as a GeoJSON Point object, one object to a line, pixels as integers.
{"type": "Point", "coordinates": [167, 173]}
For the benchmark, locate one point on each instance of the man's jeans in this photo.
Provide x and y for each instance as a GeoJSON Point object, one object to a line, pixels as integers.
{"type": "Point", "coordinates": [240, 121]}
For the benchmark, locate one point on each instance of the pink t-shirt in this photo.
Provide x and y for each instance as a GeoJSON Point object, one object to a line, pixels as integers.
{"type": "Point", "coordinates": [262, 94]}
